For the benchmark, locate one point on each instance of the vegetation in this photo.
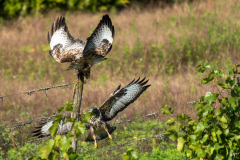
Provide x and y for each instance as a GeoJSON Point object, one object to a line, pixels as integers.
{"type": "Point", "coordinates": [215, 133]}
{"type": "Point", "coordinates": [14, 8]}
{"type": "Point", "coordinates": [163, 44]}
{"type": "Point", "coordinates": [17, 8]}
{"type": "Point", "coordinates": [151, 148]}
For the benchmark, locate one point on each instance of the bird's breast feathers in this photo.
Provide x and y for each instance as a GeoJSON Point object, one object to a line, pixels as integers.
{"type": "Point", "coordinates": [96, 122]}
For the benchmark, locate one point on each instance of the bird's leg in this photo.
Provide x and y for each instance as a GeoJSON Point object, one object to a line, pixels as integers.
{"type": "Point", "coordinates": [93, 136]}
{"type": "Point", "coordinates": [106, 129]}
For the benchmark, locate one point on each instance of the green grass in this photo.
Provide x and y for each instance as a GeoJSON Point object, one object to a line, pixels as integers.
{"type": "Point", "coordinates": [153, 148]}
{"type": "Point", "coordinates": [166, 48]}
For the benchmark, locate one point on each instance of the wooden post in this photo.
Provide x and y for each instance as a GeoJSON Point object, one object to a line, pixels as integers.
{"type": "Point", "coordinates": [77, 99]}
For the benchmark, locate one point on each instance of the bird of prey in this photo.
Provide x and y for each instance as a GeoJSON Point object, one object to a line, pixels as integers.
{"type": "Point", "coordinates": [82, 55]}
{"type": "Point", "coordinates": [120, 99]}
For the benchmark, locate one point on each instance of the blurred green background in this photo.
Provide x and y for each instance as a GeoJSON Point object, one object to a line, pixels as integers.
{"type": "Point", "coordinates": [16, 8]}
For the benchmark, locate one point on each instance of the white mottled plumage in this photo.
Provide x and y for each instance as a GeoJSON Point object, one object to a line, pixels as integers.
{"type": "Point", "coordinates": [44, 129]}
{"type": "Point", "coordinates": [81, 55]}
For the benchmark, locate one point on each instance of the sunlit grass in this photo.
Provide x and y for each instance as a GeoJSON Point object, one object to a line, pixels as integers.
{"type": "Point", "coordinates": [163, 44]}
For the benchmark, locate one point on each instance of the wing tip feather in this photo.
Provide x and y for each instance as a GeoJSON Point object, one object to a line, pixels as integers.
{"type": "Point", "coordinates": [60, 22]}
{"type": "Point", "coordinates": [143, 83]}
{"type": "Point", "coordinates": [117, 89]}
{"type": "Point", "coordinates": [48, 37]}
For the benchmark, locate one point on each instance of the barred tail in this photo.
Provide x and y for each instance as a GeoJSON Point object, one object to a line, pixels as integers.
{"type": "Point", "coordinates": [42, 130]}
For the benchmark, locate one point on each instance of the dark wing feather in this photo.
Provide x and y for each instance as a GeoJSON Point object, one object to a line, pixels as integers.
{"type": "Point", "coordinates": [100, 42]}
{"type": "Point", "coordinates": [121, 98]}
{"type": "Point", "coordinates": [64, 48]}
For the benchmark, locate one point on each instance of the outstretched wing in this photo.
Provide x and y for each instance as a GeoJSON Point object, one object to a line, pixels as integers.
{"type": "Point", "coordinates": [64, 48]}
{"type": "Point", "coordinates": [121, 98]}
{"type": "Point", "coordinates": [100, 42]}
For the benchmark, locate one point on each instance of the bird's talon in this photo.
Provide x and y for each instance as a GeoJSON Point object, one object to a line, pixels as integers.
{"type": "Point", "coordinates": [110, 137]}
{"type": "Point", "coordinates": [96, 144]}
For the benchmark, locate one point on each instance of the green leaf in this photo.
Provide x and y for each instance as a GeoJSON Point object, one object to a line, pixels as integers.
{"type": "Point", "coordinates": [224, 125]}
{"type": "Point", "coordinates": [172, 128]}
{"type": "Point", "coordinates": [134, 155]}
{"type": "Point", "coordinates": [200, 127]}
{"type": "Point", "coordinates": [125, 157]}
{"type": "Point", "coordinates": [230, 82]}
{"type": "Point", "coordinates": [206, 110]}
{"type": "Point", "coordinates": [69, 119]}
{"type": "Point", "coordinates": [69, 108]}
{"type": "Point", "coordinates": [233, 103]}
{"type": "Point", "coordinates": [207, 80]}
{"type": "Point", "coordinates": [220, 111]}
{"type": "Point", "coordinates": [72, 155]}
{"type": "Point", "coordinates": [58, 118]}
{"type": "Point", "coordinates": [130, 155]}
{"type": "Point", "coordinates": [61, 109]}
{"type": "Point", "coordinates": [164, 106]}
{"type": "Point", "coordinates": [192, 122]}
{"type": "Point", "coordinates": [47, 149]}
{"type": "Point", "coordinates": [223, 85]}
{"type": "Point", "coordinates": [222, 119]}
{"type": "Point", "coordinates": [167, 111]}
{"type": "Point", "coordinates": [170, 121]}
{"type": "Point", "coordinates": [64, 143]}
{"type": "Point", "coordinates": [70, 134]}
{"type": "Point", "coordinates": [226, 132]}
{"type": "Point", "coordinates": [188, 152]}
{"type": "Point", "coordinates": [217, 147]}
{"type": "Point", "coordinates": [54, 155]}
{"type": "Point", "coordinates": [210, 98]}
{"type": "Point", "coordinates": [86, 117]}
{"type": "Point", "coordinates": [79, 128]}
{"type": "Point", "coordinates": [200, 105]}
{"type": "Point", "coordinates": [224, 101]}
{"type": "Point", "coordinates": [54, 128]}
{"type": "Point", "coordinates": [180, 144]}
{"type": "Point", "coordinates": [237, 137]}
{"type": "Point", "coordinates": [218, 73]}
{"type": "Point", "coordinates": [56, 139]}
{"type": "Point", "coordinates": [172, 135]}
{"type": "Point", "coordinates": [237, 124]}
{"type": "Point", "coordinates": [205, 137]}
{"type": "Point", "coordinates": [201, 69]}
{"type": "Point", "coordinates": [230, 72]}
{"type": "Point", "coordinates": [219, 157]}
{"type": "Point", "coordinates": [182, 117]}
{"type": "Point", "coordinates": [193, 139]}
{"type": "Point", "coordinates": [211, 150]}
{"type": "Point", "coordinates": [207, 65]}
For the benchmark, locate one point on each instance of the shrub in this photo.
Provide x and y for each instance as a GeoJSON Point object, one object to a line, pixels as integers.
{"type": "Point", "coordinates": [215, 134]}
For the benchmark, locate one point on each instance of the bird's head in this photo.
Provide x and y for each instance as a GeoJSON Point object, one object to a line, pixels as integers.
{"type": "Point", "coordinates": [94, 111]}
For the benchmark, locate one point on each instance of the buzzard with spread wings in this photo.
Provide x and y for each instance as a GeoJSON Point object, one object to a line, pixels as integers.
{"type": "Point", "coordinates": [120, 99]}
{"type": "Point", "coordinates": [82, 55]}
